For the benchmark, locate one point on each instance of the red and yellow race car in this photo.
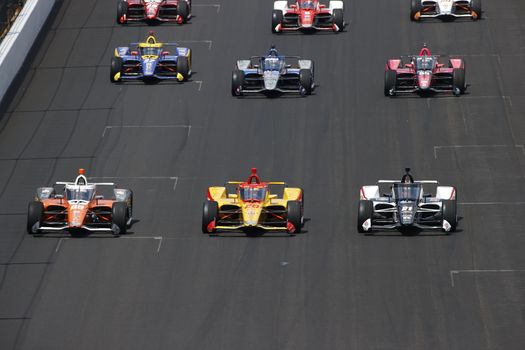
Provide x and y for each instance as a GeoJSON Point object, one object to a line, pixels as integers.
{"type": "Point", "coordinates": [251, 207]}
{"type": "Point", "coordinates": [80, 209]}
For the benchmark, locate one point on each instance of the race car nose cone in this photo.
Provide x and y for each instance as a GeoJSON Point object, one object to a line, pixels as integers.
{"type": "Point", "coordinates": [424, 81]}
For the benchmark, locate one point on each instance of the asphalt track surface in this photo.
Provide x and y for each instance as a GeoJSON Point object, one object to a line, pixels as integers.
{"type": "Point", "coordinates": [167, 286]}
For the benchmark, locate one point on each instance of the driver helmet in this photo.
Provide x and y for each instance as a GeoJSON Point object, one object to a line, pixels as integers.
{"type": "Point", "coordinates": [407, 178]}
{"type": "Point", "coordinates": [273, 51]}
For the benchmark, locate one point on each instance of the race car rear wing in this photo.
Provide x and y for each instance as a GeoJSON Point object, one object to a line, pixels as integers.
{"type": "Point", "coordinates": [269, 183]}
{"type": "Point", "coordinates": [416, 182]}
{"type": "Point", "coordinates": [90, 183]}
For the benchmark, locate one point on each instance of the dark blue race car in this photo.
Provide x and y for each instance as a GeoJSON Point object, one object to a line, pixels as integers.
{"type": "Point", "coordinates": [150, 60]}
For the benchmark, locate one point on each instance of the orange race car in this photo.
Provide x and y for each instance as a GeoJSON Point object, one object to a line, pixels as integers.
{"type": "Point", "coordinates": [80, 209]}
{"type": "Point", "coordinates": [251, 207]}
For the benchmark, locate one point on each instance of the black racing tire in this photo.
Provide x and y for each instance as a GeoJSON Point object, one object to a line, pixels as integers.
{"type": "Point", "coordinates": [294, 215]}
{"type": "Point", "coordinates": [119, 216]}
{"type": "Point", "coordinates": [306, 80]}
{"type": "Point", "coordinates": [35, 210]}
{"type": "Point", "coordinates": [237, 82]}
{"type": "Point", "coordinates": [122, 9]}
{"type": "Point", "coordinates": [338, 19]}
{"type": "Point", "coordinates": [183, 10]}
{"type": "Point", "coordinates": [277, 18]}
{"type": "Point", "coordinates": [130, 208]}
{"type": "Point", "coordinates": [458, 79]}
{"type": "Point", "coordinates": [183, 67]}
{"type": "Point", "coordinates": [475, 6]}
{"type": "Point", "coordinates": [449, 212]}
{"type": "Point", "coordinates": [210, 211]}
{"type": "Point", "coordinates": [415, 7]}
{"type": "Point", "coordinates": [390, 81]}
{"type": "Point", "coordinates": [116, 67]}
{"type": "Point", "coordinates": [364, 212]}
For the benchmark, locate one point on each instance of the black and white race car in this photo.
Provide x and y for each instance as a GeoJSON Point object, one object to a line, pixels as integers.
{"type": "Point", "coordinates": [445, 9]}
{"type": "Point", "coordinates": [407, 206]}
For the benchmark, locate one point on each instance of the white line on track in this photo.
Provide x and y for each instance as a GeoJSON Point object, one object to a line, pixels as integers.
{"type": "Point", "coordinates": [198, 82]}
{"type": "Point", "coordinates": [217, 6]}
{"type": "Point", "coordinates": [59, 244]}
{"type": "Point", "coordinates": [436, 148]}
{"type": "Point", "coordinates": [457, 272]}
{"type": "Point", "coordinates": [209, 42]}
{"type": "Point", "coordinates": [109, 127]}
{"type": "Point", "coordinates": [158, 238]}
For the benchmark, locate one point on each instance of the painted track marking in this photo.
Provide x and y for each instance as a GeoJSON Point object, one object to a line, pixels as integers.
{"type": "Point", "coordinates": [457, 272]}
{"type": "Point", "coordinates": [217, 6]}
{"type": "Point", "coordinates": [109, 127]}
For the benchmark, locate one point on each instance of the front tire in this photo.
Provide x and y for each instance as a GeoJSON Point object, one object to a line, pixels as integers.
{"type": "Point", "coordinates": [338, 19]}
{"type": "Point", "coordinates": [116, 69]}
{"type": "Point", "coordinates": [210, 211]}
{"type": "Point", "coordinates": [475, 6]}
{"type": "Point", "coordinates": [294, 215]}
{"type": "Point", "coordinates": [237, 82]}
{"type": "Point", "coordinates": [35, 210]}
{"type": "Point", "coordinates": [449, 210]}
{"type": "Point", "coordinates": [415, 10]}
{"type": "Point", "coordinates": [390, 82]}
{"type": "Point", "coordinates": [365, 211]}
{"type": "Point", "coordinates": [119, 217]}
{"type": "Point", "coordinates": [122, 11]}
{"type": "Point", "coordinates": [306, 80]}
{"type": "Point", "coordinates": [458, 80]}
{"type": "Point", "coordinates": [183, 10]}
{"type": "Point", "coordinates": [183, 66]}
{"type": "Point", "coordinates": [277, 18]}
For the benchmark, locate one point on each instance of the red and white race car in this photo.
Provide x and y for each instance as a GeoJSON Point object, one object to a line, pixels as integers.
{"type": "Point", "coordinates": [178, 11]}
{"type": "Point", "coordinates": [424, 73]}
{"type": "Point", "coordinates": [307, 15]}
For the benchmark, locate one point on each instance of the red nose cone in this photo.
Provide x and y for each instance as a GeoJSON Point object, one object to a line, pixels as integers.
{"type": "Point", "coordinates": [307, 18]}
{"type": "Point", "coordinates": [424, 81]}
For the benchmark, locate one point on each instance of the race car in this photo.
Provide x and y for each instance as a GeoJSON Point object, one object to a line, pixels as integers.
{"type": "Point", "coordinates": [149, 61]}
{"type": "Point", "coordinates": [424, 73]}
{"type": "Point", "coordinates": [272, 74]}
{"type": "Point", "coordinates": [407, 206]}
{"type": "Point", "coordinates": [80, 209]}
{"type": "Point", "coordinates": [251, 207]}
{"type": "Point", "coordinates": [151, 11]}
{"type": "Point", "coordinates": [444, 9]}
{"type": "Point", "coordinates": [307, 15]}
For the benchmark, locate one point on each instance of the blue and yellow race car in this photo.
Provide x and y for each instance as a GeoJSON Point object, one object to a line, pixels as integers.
{"type": "Point", "coordinates": [150, 60]}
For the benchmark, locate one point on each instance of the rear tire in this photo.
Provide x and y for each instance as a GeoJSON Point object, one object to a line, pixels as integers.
{"type": "Point", "coordinates": [390, 82]}
{"type": "Point", "coordinates": [475, 6]}
{"type": "Point", "coordinates": [458, 79]}
{"type": "Point", "coordinates": [415, 8]}
{"type": "Point", "coordinates": [237, 82]}
{"type": "Point", "coordinates": [122, 10]}
{"type": "Point", "coordinates": [294, 215]}
{"type": "Point", "coordinates": [306, 80]}
{"type": "Point", "coordinates": [449, 210]}
{"type": "Point", "coordinates": [35, 210]}
{"type": "Point", "coordinates": [210, 210]}
{"type": "Point", "coordinates": [116, 67]}
{"type": "Point", "coordinates": [119, 216]}
{"type": "Point", "coordinates": [365, 211]}
{"type": "Point", "coordinates": [183, 10]}
{"type": "Point", "coordinates": [338, 19]}
{"type": "Point", "coordinates": [277, 18]}
{"type": "Point", "coordinates": [183, 65]}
